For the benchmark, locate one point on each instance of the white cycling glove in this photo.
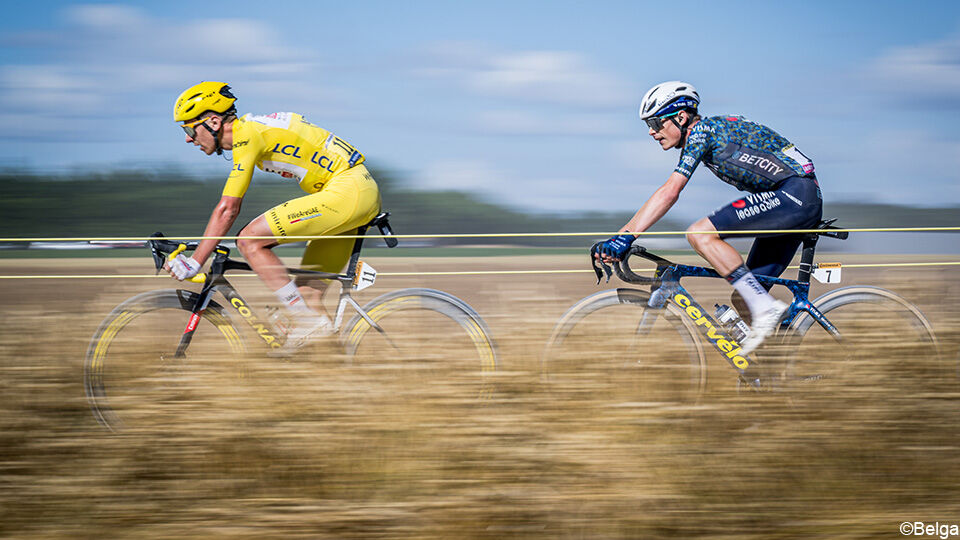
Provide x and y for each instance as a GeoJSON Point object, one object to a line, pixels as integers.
{"type": "Point", "coordinates": [184, 267]}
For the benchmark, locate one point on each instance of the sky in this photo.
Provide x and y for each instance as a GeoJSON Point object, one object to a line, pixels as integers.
{"type": "Point", "coordinates": [532, 104]}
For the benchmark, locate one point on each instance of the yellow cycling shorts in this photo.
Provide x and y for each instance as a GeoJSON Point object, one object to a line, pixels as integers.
{"type": "Point", "coordinates": [349, 200]}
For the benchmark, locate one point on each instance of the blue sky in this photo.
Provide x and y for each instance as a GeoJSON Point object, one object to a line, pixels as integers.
{"type": "Point", "coordinates": [532, 104]}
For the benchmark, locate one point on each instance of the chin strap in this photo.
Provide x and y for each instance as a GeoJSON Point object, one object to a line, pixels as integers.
{"type": "Point", "coordinates": [216, 138]}
{"type": "Point", "coordinates": [683, 130]}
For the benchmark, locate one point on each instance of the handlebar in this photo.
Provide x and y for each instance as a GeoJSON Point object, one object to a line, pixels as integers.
{"type": "Point", "coordinates": [622, 267]}
{"type": "Point", "coordinates": [166, 250]}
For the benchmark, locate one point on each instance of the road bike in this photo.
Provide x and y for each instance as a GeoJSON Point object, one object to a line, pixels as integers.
{"type": "Point", "coordinates": [145, 343]}
{"type": "Point", "coordinates": [651, 345]}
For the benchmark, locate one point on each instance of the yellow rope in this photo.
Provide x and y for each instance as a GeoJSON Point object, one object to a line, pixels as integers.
{"type": "Point", "coordinates": [459, 273]}
{"type": "Point", "coordinates": [485, 235]}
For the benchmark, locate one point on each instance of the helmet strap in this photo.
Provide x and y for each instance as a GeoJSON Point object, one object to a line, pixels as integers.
{"type": "Point", "coordinates": [216, 137]}
{"type": "Point", "coordinates": [683, 129]}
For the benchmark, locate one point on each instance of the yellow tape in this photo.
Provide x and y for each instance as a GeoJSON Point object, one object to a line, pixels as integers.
{"type": "Point", "coordinates": [484, 235]}
{"type": "Point", "coordinates": [466, 273]}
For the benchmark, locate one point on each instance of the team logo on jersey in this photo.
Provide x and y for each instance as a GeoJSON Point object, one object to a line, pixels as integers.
{"type": "Point", "coordinates": [759, 203]}
{"type": "Point", "coordinates": [287, 150]}
{"type": "Point", "coordinates": [304, 215]}
{"type": "Point", "coordinates": [739, 204]}
{"type": "Point", "coordinates": [323, 161]}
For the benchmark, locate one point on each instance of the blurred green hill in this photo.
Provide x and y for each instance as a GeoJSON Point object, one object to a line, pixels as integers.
{"type": "Point", "coordinates": [138, 203]}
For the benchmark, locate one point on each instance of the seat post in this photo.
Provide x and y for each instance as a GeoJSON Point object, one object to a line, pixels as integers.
{"type": "Point", "coordinates": [355, 256]}
{"type": "Point", "coordinates": [806, 257]}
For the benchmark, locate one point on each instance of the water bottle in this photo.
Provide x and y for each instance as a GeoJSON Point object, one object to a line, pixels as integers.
{"type": "Point", "coordinates": [278, 320]}
{"type": "Point", "coordinates": [727, 316]}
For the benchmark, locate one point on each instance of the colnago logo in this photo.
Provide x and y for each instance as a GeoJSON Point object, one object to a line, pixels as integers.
{"type": "Point", "coordinates": [255, 323]}
{"type": "Point", "coordinates": [759, 203]}
{"type": "Point", "coordinates": [724, 344]}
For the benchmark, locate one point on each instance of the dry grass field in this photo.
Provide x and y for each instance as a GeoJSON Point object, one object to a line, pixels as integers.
{"type": "Point", "coordinates": [313, 447]}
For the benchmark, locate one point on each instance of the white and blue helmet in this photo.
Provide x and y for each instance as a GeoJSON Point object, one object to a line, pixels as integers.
{"type": "Point", "coordinates": [667, 98]}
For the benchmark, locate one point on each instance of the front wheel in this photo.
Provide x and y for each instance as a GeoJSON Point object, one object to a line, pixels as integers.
{"type": "Point", "coordinates": [131, 369]}
{"type": "Point", "coordinates": [613, 345]}
{"type": "Point", "coordinates": [424, 336]}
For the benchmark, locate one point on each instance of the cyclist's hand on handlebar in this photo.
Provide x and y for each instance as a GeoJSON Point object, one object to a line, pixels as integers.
{"type": "Point", "coordinates": [182, 268]}
{"type": "Point", "coordinates": [615, 249]}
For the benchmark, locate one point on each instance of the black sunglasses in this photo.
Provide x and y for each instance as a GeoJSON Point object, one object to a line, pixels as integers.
{"type": "Point", "coordinates": [190, 129]}
{"type": "Point", "coordinates": [657, 122]}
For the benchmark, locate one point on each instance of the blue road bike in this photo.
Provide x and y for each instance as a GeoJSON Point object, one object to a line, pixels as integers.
{"type": "Point", "coordinates": [653, 343]}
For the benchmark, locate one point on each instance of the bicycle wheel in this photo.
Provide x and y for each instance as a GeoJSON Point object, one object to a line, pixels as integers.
{"type": "Point", "coordinates": [611, 344]}
{"type": "Point", "coordinates": [881, 343]}
{"type": "Point", "coordinates": [130, 368]}
{"type": "Point", "coordinates": [427, 335]}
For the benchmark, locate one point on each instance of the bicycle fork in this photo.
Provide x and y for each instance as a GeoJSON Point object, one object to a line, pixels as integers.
{"type": "Point", "coordinates": [201, 303]}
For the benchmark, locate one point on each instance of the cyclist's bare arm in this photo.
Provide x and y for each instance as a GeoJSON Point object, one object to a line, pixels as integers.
{"type": "Point", "coordinates": [221, 220]}
{"type": "Point", "coordinates": [657, 205]}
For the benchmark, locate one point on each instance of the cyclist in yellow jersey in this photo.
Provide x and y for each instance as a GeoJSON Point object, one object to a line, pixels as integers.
{"type": "Point", "coordinates": [341, 196]}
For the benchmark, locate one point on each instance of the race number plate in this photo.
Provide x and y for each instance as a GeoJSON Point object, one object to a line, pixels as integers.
{"type": "Point", "coordinates": [365, 277]}
{"type": "Point", "coordinates": [827, 273]}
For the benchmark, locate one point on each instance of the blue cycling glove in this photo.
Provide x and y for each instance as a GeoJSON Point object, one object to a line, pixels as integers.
{"type": "Point", "coordinates": [617, 246]}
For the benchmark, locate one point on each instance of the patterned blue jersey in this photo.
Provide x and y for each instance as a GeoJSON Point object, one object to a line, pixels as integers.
{"type": "Point", "coordinates": [744, 154]}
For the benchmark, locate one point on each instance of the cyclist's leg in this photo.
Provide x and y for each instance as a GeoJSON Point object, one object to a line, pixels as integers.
{"type": "Point", "coordinates": [704, 238]}
{"type": "Point", "coordinates": [769, 256]}
{"type": "Point", "coordinates": [323, 255]}
{"type": "Point", "coordinates": [257, 252]}
{"type": "Point", "coordinates": [800, 208]}
{"type": "Point", "coordinates": [795, 204]}
{"type": "Point", "coordinates": [347, 201]}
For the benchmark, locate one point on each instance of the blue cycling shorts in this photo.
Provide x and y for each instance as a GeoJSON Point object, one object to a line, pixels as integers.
{"type": "Point", "coordinates": [795, 204]}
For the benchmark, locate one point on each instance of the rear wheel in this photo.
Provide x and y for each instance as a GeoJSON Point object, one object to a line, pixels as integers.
{"type": "Point", "coordinates": [428, 337]}
{"type": "Point", "coordinates": [881, 346]}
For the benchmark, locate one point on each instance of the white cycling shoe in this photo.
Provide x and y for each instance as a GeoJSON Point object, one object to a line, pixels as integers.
{"type": "Point", "coordinates": [305, 330]}
{"type": "Point", "coordinates": [762, 326]}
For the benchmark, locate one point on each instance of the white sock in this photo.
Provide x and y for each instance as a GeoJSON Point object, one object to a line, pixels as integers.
{"type": "Point", "coordinates": [291, 298]}
{"type": "Point", "coordinates": [756, 297]}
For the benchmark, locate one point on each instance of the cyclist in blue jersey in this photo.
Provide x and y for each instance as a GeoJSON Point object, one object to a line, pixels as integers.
{"type": "Point", "coordinates": [781, 193]}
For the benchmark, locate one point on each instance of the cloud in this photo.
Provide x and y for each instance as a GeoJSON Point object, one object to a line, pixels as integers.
{"type": "Point", "coordinates": [543, 192]}
{"type": "Point", "coordinates": [115, 58]}
{"type": "Point", "coordinates": [528, 122]}
{"type": "Point", "coordinates": [540, 76]}
{"type": "Point", "coordinates": [926, 76]}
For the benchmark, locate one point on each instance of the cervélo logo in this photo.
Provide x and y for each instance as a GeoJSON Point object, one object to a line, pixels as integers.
{"type": "Point", "coordinates": [721, 342]}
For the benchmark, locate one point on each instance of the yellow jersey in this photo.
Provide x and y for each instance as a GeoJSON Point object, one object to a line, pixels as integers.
{"type": "Point", "coordinates": [286, 144]}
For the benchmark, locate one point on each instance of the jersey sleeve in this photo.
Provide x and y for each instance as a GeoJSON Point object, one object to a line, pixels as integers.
{"type": "Point", "coordinates": [693, 151]}
{"type": "Point", "coordinates": [244, 161]}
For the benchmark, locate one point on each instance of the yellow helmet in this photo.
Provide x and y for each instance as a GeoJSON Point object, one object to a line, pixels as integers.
{"type": "Point", "coordinates": [203, 97]}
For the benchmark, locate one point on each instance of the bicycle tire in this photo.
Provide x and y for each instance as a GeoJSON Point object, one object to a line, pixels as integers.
{"type": "Point", "coordinates": [444, 317]}
{"type": "Point", "coordinates": [104, 350]}
{"type": "Point", "coordinates": [858, 313]}
{"type": "Point", "coordinates": [686, 365]}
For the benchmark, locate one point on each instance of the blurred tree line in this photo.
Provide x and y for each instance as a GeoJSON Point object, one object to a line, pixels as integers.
{"type": "Point", "coordinates": [135, 203]}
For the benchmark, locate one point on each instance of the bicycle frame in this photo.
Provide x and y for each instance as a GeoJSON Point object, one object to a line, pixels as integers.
{"type": "Point", "coordinates": [666, 288]}
{"type": "Point", "coordinates": [215, 281]}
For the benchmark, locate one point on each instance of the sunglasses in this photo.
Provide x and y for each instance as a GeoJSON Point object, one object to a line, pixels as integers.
{"type": "Point", "coordinates": [190, 129]}
{"type": "Point", "coordinates": [657, 122]}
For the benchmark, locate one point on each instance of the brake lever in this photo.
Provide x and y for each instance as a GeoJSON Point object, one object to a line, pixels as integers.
{"type": "Point", "coordinates": [158, 258]}
{"type": "Point", "coordinates": [599, 267]}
